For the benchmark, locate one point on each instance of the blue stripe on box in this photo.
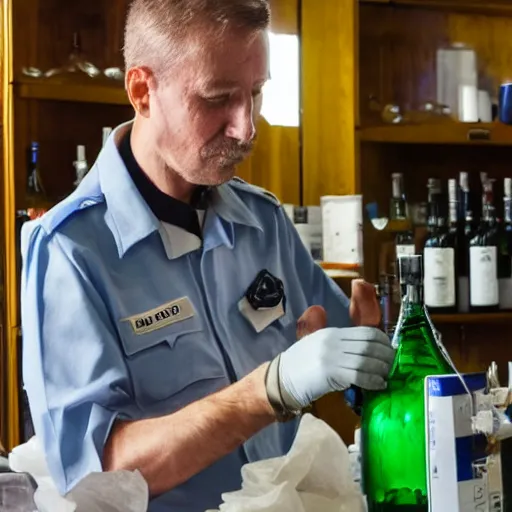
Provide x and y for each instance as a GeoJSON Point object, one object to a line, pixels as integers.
{"type": "Point", "coordinates": [469, 450]}
{"type": "Point", "coordinates": [450, 385]}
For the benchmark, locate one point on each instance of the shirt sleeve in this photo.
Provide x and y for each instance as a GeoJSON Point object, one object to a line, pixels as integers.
{"type": "Point", "coordinates": [318, 287]}
{"type": "Point", "coordinates": [74, 371]}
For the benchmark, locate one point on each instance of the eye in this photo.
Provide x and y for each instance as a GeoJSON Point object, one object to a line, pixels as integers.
{"type": "Point", "coordinates": [257, 93]}
{"type": "Point", "coordinates": [221, 99]}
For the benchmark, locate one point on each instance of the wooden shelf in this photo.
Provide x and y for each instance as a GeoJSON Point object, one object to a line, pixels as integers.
{"type": "Point", "coordinates": [81, 93]}
{"type": "Point", "coordinates": [473, 318]}
{"type": "Point", "coordinates": [487, 134]}
{"type": "Point", "coordinates": [340, 270]}
{"type": "Point", "coordinates": [476, 6]}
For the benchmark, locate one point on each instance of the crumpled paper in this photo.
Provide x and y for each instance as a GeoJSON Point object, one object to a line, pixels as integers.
{"type": "Point", "coordinates": [491, 418]}
{"type": "Point", "coordinates": [119, 491]}
{"type": "Point", "coordinates": [314, 476]}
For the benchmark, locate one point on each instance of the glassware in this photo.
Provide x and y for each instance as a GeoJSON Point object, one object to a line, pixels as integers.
{"type": "Point", "coordinates": [393, 421]}
{"type": "Point", "coordinates": [77, 63]}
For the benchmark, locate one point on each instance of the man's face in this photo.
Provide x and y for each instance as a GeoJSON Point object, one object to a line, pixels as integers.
{"type": "Point", "coordinates": [202, 117]}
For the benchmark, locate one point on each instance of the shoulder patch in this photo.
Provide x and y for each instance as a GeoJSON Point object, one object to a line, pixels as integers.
{"type": "Point", "coordinates": [51, 220]}
{"type": "Point", "coordinates": [240, 184]}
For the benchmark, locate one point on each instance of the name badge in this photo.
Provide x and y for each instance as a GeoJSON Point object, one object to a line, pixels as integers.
{"type": "Point", "coordinates": [162, 316]}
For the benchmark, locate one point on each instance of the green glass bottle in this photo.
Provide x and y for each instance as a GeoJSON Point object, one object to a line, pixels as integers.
{"type": "Point", "coordinates": [393, 421]}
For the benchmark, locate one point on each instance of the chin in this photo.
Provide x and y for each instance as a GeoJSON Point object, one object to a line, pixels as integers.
{"type": "Point", "coordinates": [216, 176]}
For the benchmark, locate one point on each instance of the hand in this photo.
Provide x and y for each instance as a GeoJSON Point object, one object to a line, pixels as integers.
{"type": "Point", "coordinates": [364, 306]}
{"type": "Point", "coordinates": [332, 360]}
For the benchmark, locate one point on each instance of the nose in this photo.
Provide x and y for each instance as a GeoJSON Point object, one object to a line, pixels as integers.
{"type": "Point", "coordinates": [241, 125]}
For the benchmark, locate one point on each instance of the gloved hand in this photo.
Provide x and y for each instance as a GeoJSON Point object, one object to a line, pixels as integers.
{"type": "Point", "coordinates": [329, 360]}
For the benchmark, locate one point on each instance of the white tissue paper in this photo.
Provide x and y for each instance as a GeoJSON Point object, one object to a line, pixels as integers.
{"type": "Point", "coordinates": [314, 476]}
{"type": "Point", "coordinates": [120, 491]}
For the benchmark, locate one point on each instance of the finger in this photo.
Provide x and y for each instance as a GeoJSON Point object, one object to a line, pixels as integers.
{"type": "Point", "coordinates": [313, 319]}
{"type": "Point", "coordinates": [384, 353]}
{"type": "Point", "coordinates": [365, 334]}
{"type": "Point", "coordinates": [364, 306]}
{"type": "Point", "coordinates": [367, 381]}
{"type": "Point", "coordinates": [366, 364]}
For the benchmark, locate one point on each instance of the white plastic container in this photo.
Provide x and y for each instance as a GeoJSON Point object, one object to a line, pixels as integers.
{"type": "Point", "coordinates": [342, 228]}
{"type": "Point", "coordinates": [457, 81]}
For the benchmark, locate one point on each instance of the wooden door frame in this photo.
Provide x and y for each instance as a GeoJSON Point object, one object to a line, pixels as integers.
{"type": "Point", "coordinates": [10, 335]}
{"type": "Point", "coordinates": [329, 90]}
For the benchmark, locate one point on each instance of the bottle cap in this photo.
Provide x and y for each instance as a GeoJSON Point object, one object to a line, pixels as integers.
{"type": "Point", "coordinates": [508, 187]}
{"type": "Point", "coordinates": [411, 269]}
{"type": "Point", "coordinates": [300, 215]}
{"type": "Point", "coordinates": [452, 190]}
{"type": "Point", "coordinates": [464, 181]}
{"type": "Point", "coordinates": [80, 153]}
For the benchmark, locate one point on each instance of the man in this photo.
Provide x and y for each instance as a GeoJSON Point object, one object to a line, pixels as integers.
{"type": "Point", "coordinates": [160, 299]}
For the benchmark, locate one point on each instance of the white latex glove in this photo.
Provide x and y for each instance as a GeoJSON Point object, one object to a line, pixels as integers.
{"type": "Point", "coordinates": [333, 359]}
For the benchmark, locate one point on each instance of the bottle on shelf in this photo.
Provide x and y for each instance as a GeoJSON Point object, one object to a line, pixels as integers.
{"type": "Point", "coordinates": [404, 241]}
{"type": "Point", "coordinates": [107, 130]}
{"type": "Point", "coordinates": [393, 420]}
{"type": "Point", "coordinates": [505, 263]}
{"type": "Point", "coordinates": [35, 193]}
{"type": "Point", "coordinates": [467, 228]}
{"type": "Point", "coordinates": [81, 165]}
{"type": "Point", "coordinates": [483, 257]}
{"type": "Point", "coordinates": [440, 253]}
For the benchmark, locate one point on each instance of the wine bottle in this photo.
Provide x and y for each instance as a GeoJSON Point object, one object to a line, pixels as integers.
{"type": "Point", "coordinates": [393, 420]}
{"type": "Point", "coordinates": [505, 263]}
{"type": "Point", "coordinates": [483, 257]}
{"type": "Point", "coordinates": [467, 228]}
{"type": "Point", "coordinates": [404, 241]}
{"type": "Point", "coordinates": [106, 131]}
{"type": "Point", "coordinates": [81, 165]}
{"type": "Point", "coordinates": [440, 256]}
{"type": "Point", "coordinates": [35, 190]}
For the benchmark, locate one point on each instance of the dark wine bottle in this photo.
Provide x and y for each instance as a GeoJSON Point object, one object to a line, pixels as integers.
{"type": "Point", "coordinates": [440, 255]}
{"type": "Point", "coordinates": [483, 257]}
{"type": "Point", "coordinates": [505, 256]}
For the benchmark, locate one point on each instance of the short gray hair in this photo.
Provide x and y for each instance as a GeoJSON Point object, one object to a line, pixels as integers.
{"type": "Point", "coordinates": [154, 28]}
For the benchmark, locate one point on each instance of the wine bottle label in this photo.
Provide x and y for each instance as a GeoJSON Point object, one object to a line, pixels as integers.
{"type": "Point", "coordinates": [439, 283]}
{"type": "Point", "coordinates": [483, 276]}
{"type": "Point", "coordinates": [405, 250]}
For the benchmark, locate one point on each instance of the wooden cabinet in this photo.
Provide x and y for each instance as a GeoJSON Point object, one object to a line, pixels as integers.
{"type": "Point", "coordinates": [358, 53]}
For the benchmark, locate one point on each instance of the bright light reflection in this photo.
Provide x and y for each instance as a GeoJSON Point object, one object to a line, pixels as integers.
{"type": "Point", "coordinates": [281, 93]}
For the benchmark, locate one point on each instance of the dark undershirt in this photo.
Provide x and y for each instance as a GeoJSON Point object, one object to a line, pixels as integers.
{"type": "Point", "coordinates": [165, 208]}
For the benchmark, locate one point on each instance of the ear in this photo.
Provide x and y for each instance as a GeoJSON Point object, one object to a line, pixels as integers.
{"type": "Point", "coordinates": [138, 83]}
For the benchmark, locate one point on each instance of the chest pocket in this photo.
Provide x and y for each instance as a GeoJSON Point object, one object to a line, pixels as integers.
{"type": "Point", "coordinates": [282, 330]}
{"type": "Point", "coordinates": [176, 363]}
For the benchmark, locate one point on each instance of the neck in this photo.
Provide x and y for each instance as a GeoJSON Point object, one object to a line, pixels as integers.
{"type": "Point", "coordinates": [163, 177]}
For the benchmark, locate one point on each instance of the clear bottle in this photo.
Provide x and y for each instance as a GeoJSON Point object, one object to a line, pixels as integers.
{"type": "Point", "coordinates": [81, 165]}
{"type": "Point", "coordinates": [404, 241]}
{"type": "Point", "coordinates": [393, 420]}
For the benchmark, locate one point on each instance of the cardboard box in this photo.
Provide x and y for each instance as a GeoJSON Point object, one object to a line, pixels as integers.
{"type": "Point", "coordinates": [457, 459]}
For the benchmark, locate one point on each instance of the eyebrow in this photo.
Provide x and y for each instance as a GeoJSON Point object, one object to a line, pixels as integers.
{"type": "Point", "coordinates": [225, 84]}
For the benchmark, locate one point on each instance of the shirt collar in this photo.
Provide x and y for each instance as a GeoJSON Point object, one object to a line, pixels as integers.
{"type": "Point", "coordinates": [129, 217]}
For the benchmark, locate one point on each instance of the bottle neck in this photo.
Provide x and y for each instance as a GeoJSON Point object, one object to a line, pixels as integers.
{"type": "Point", "coordinates": [508, 210]}
{"type": "Point", "coordinates": [413, 295]}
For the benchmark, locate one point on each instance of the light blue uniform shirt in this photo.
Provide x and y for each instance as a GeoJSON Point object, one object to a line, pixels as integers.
{"type": "Point", "coordinates": [99, 343]}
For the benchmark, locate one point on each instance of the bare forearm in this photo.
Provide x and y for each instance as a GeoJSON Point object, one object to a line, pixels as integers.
{"type": "Point", "coordinates": [171, 449]}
